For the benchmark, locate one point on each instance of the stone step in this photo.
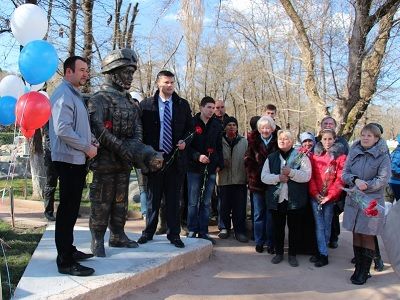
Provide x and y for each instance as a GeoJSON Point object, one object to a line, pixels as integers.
{"type": "Point", "coordinates": [121, 272]}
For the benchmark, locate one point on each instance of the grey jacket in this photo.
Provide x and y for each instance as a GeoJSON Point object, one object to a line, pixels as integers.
{"type": "Point", "coordinates": [372, 166]}
{"type": "Point", "coordinates": [69, 128]}
{"type": "Point", "coordinates": [234, 172]}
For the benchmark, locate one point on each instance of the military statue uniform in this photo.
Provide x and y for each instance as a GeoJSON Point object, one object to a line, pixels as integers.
{"type": "Point", "coordinates": [115, 122]}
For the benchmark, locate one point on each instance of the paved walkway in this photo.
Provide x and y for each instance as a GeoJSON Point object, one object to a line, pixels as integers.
{"type": "Point", "coordinates": [236, 271]}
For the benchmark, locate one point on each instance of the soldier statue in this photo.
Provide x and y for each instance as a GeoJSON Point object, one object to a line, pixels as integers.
{"type": "Point", "coordinates": [115, 122]}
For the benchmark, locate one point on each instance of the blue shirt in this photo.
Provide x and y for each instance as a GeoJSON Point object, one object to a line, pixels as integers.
{"type": "Point", "coordinates": [266, 141]}
{"type": "Point", "coordinates": [161, 109]}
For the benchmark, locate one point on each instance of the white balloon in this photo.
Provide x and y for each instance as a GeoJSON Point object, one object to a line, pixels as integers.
{"type": "Point", "coordinates": [28, 23]}
{"type": "Point", "coordinates": [35, 87]}
{"type": "Point", "coordinates": [45, 93]}
{"type": "Point", "coordinates": [13, 86]}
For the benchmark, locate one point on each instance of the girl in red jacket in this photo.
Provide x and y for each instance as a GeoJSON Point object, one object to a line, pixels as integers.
{"type": "Point", "coordinates": [325, 187]}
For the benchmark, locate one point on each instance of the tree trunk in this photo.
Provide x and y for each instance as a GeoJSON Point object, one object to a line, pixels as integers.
{"type": "Point", "coordinates": [125, 26]}
{"type": "Point", "coordinates": [308, 62]}
{"type": "Point", "coordinates": [129, 35]}
{"type": "Point", "coordinates": [117, 30]}
{"type": "Point", "coordinates": [192, 22]}
{"type": "Point", "coordinates": [87, 7]}
{"type": "Point", "coordinates": [371, 67]}
{"type": "Point", "coordinates": [72, 35]}
{"type": "Point", "coordinates": [37, 166]}
{"type": "Point", "coordinates": [49, 12]}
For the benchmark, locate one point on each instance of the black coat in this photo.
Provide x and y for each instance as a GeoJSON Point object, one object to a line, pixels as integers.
{"type": "Point", "coordinates": [181, 123]}
{"type": "Point", "coordinates": [209, 139]}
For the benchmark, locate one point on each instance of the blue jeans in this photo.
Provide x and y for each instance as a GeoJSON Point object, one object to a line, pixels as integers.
{"type": "Point", "coordinates": [143, 202]}
{"type": "Point", "coordinates": [263, 230]}
{"type": "Point", "coordinates": [323, 222]}
{"type": "Point", "coordinates": [199, 211]}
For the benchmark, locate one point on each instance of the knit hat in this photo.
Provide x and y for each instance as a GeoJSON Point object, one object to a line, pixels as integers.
{"type": "Point", "coordinates": [306, 136]}
{"type": "Point", "coordinates": [230, 120]}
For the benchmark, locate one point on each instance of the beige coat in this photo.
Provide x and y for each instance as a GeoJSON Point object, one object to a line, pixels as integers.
{"type": "Point", "coordinates": [233, 171]}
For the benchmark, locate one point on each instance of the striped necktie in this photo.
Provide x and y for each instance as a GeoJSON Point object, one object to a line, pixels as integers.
{"type": "Point", "coordinates": [167, 137]}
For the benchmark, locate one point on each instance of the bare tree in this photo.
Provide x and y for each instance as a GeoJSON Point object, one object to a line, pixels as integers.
{"type": "Point", "coordinates": [73, 18]}
{"type": "Point", "coordinates": [129, 32]}
{"type": "Point", "coordinates": [364, 61]}
{"type": "Point", "coordinates": [117, 20]}
{"type": "Point", "coordinates": [192, 13]}
{"type": "Point", "coordinates": [87, 8]}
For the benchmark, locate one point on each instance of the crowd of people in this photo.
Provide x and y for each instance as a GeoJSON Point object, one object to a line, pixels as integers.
{"type": "Point", "coordinates": [190, 160]}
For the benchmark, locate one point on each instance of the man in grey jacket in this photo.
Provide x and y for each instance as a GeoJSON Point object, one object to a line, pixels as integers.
{"type": "Point", "coordinates": [71, 144]}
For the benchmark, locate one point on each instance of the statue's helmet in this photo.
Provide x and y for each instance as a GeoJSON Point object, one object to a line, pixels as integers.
{"type": "Point", "coordinates": [118, 58]}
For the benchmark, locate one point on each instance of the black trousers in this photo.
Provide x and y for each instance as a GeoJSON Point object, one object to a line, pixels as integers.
{"type": "Point", "coordinates": [71, 180]}
{"type": "Point", "coordinates": [306, 238]}
{"type": "Point", "coordinates": [233, 201]}
{"type": "Point", "coordinates": [51, 183]}
{"type": "Point", "coordinates": [168, 184]}
{"type": "Point", "coordinates": [279, 218]}
{"type": "Point", "coordinates": [335, 227]}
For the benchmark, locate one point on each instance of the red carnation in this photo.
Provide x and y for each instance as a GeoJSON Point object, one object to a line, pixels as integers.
{"type": "Point", "coordinates": [210, 151]}
{"type": "Point", "coordinates": [371, 212]}
{"type": "Point", "coordinates": [303, 150]}
{"type": "Point", "coordinates": [108, 124]}
{"type": "Point", "coordinates": [198, 130]}
{"type": "Point", "coordinates": [373, 204]}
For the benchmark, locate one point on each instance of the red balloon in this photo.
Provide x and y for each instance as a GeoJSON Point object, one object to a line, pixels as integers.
{"type": "Point", "coordinates": [32, 111]}
{"type": "Point", "coordinates": [28, 133]}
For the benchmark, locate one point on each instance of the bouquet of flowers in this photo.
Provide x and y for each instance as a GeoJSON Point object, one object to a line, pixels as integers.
{"type": "Point", "coordinates": [329, 176]}
{"type": "Point", "coordinates": [370, 207]}
{"type": "Point", "coordinates": [294, 161]}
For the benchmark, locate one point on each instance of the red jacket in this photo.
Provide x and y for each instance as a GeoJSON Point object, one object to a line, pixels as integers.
{"type": "Point", "coordinates": [326, 177]}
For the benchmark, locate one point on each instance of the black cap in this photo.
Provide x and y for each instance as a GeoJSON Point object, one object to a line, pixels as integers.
{"type": "Point", "coordinates": [230, 120]}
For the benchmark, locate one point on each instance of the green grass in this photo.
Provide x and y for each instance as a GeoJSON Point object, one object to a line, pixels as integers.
{"type": "Point", "coordinates": [18, 186]}
{"type": "Point", "coordinates": [23, 242]}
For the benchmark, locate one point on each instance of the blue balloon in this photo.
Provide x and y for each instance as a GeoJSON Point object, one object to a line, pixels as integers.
{"type": "Point", "coordinates": [38, 61]}
{"type": "Point", "coordinates": [7, 110]}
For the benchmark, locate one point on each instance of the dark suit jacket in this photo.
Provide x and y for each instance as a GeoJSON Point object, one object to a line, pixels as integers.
{"type": "Point", "coordinates": [181, 123]}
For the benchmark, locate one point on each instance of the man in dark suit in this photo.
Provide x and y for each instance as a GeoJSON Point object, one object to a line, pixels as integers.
{"type": "Point", "coordinates": [167, 121]}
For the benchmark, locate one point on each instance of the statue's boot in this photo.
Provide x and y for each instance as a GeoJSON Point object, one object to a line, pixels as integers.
{"type": "Point", "coordinates": [97, 245]}
{"type": "Point", "coordinates": [121, 240]}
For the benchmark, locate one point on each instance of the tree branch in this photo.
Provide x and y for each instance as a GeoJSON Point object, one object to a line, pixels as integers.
{"type": "Point", "coordinates": [380, 12]}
